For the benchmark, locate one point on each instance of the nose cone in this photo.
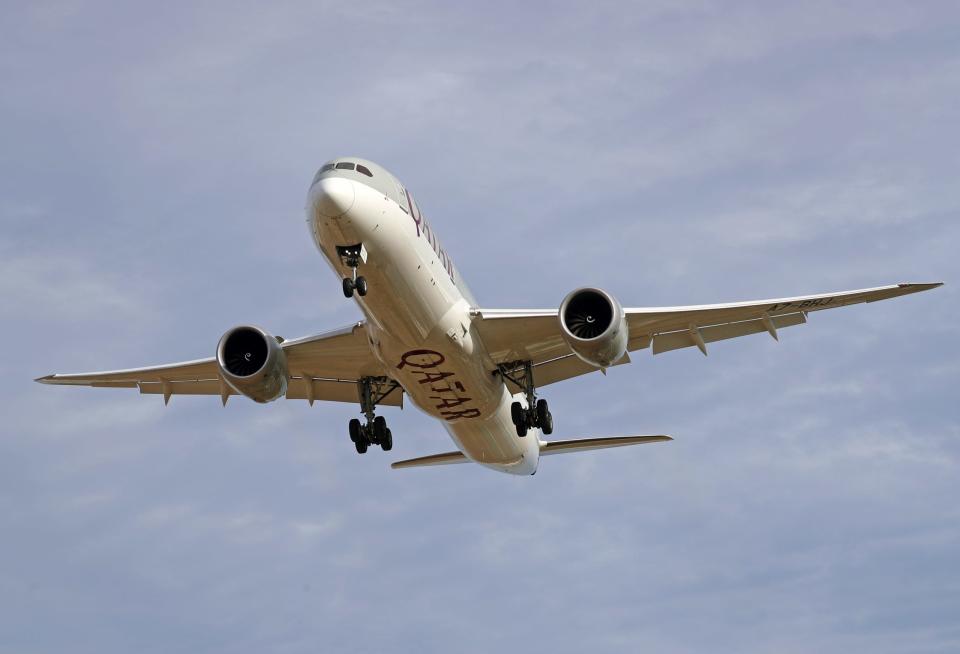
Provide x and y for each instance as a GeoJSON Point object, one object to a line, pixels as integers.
{"type": "Point", "coordinates": [332, 196]}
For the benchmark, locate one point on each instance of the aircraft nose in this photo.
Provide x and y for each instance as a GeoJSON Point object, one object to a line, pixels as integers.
{"type": "Point", "coordinates": [333, 196]}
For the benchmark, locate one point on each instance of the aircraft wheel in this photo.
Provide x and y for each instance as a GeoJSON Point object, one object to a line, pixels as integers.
{"type": "Point", "coordinates": [516, 413]}
{"type": "Point", "coordinates": [361, 286]}
{"type": "Point", "coordinates": [547, 425]}
{"type": "Point", "coordinates": [522, 429]}
{"type": "Point", "coordinates": [387, 443]}
{"type": "Point", "coordinates": [356, 434]}
{"type": "Point", "coordinates": [379, 429]}
{"type": "Point", "coordinates": [361, 446]}
{"type": "Point", "coordinates": [348, 287]}
{"type": "Point", "coordinates": [544, 419]}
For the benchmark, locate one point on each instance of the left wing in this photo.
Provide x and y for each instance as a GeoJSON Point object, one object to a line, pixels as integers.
{"type": "Point", "coordinates": [322, 367]}
{"type": "Point", "coordinates": [535, 336]}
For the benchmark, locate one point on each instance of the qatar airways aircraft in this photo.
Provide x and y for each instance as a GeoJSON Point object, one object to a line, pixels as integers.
{"type": "Point", "coordinates": [475, 370]}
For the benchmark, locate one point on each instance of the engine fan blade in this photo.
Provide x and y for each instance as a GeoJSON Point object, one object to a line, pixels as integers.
{"type": "Point", "coordinates": [584, 326]}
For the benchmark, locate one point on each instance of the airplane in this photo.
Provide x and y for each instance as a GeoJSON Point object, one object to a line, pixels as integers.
{"type": "Point", "coordinates": [476, 370]}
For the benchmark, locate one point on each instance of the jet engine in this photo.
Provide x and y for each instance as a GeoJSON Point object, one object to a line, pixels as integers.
{"type": "Point", "coordinates": [594, 326]}
{"type": "Point", "coordinates": [253, 363]}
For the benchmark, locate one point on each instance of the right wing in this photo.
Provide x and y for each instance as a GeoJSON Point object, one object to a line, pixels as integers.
{"type": "Point", "coordinates": [535, 335]}
{"type": "Point", "coordinates": [322, 367]}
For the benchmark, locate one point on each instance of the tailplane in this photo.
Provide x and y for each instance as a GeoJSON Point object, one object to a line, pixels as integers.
{"type": "Point", "coordinates": [551, 447]}
{"type": "Point", "coordinates": [433, 460]}
{"type": "Point", "coordinates": [584, 444]}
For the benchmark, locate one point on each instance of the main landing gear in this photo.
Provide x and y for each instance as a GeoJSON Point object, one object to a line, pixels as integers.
{"type": "Point", "coordinates": [374, 431]}
{"type": "Point", "coordinates": [537, 412]}
{"type": "Point", "coordinates": [351, 256]}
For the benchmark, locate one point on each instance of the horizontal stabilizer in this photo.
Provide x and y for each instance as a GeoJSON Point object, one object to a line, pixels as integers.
{"type": "Point", "coordinates": [433, 460]}
{"type": "Point", "coordinates": [584, 444]}
{"type": "Point", "coordinates": [553, 447]}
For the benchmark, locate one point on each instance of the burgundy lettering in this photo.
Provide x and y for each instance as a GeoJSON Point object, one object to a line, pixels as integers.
{"type": "Point", "coordinates": [413, 213]}
{"type": "Point", "coordinates": [430, 377]}
{"type": "Point", "coordinates": [428, 233]}
{"type": "Point", "coordinates": [448, 403]}
{"type": "Point", "coordinates": [466, 413]}
{"type": "Point", "coordinates": [424, 353]}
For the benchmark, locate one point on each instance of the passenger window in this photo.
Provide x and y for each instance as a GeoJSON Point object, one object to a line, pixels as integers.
{"type": "Point", "coordinates": [363, 169]}
{"type": "Point", "coordinates": [326, 167]}
{"type": "Point", "coordinates": [344, 165]}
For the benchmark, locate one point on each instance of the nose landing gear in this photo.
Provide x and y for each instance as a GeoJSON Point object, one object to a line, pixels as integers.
{"type": "Point", "coordinates": [537, 412]}
{"type": "Point", "coordinates": [355, 283]}
{"type": "Point", "coordinates": [374, 431]}
{"type": "Point", "coordinates": [352, 256]}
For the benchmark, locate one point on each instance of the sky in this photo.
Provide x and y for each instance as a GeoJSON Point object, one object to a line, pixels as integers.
{"type": "Point", "coordinates": [154, 165]}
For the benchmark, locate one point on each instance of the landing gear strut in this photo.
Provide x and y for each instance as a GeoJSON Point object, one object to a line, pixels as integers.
{"type": "Point", "coordinates": [374, 431]}
{"type": "Point", "coordinates": [537, 412]}
{"type": "Point", "coordinates": [351, 256]}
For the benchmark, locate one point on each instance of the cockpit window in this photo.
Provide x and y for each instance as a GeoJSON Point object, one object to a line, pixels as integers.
{"type": "Point", "coordinates": [326, 167]}
{"type": "Point", "coordinates": [363, 169]}
{"type": "Point", "coordinates": [345, 165]}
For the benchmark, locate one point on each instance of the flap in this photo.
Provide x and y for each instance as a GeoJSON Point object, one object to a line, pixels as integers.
{"type": "Point", "coordinates": [685, 338]}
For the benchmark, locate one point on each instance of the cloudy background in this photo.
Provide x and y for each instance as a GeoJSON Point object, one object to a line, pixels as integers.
{"type": "Point", "coordinates": [153, 166]}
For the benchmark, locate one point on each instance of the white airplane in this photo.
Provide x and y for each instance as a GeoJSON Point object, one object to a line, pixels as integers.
{"type": "Point", "coordinates": [476, 370]}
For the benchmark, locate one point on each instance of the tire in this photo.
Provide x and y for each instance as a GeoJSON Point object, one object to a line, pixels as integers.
{"type": "Point", "coordinates": [516, 413]}
{"type": "Point", "coordinates": [547, 426]}
{"type": "Point", "coordinates": [387, 443]}
{"type": "Point", "coordinates": [379, 429]}
{"type": "Point", "coordinates": [522, 429]}
{"type": "Point", "coordinates": [361, 286]}
{"type": "Point", "coordinates": [544, 419]}
{"type": "Point", "coordinates": [347, 287]}
{"type": "Point", "coordinates": [356, 433]}
{"type": "Point", "coordinates": [361, 446]}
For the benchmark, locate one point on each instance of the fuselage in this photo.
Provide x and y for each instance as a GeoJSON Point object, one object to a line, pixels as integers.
{"type": "Point", "coordinates": [418, 310]}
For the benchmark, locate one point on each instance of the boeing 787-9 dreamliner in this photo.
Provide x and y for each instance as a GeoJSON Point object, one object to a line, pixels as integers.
{"type": "Point", "coordinates": [474, 369]}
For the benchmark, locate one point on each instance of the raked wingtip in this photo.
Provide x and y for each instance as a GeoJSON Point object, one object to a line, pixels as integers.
{"type": "Point", "coordinates": [921, 286]}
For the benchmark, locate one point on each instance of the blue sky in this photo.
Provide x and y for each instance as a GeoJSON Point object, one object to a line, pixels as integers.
{"type": "Point", "coordinates": [154, 167]}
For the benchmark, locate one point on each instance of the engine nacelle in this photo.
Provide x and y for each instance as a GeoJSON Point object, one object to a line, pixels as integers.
{"type": "Point", "coordinates": [594, 326]}
{"type": "Point", "coordinates": [253, 363]}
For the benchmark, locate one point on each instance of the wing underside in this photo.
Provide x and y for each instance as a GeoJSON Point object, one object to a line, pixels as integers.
{"type": "Point", "coordinates": [323, 367]}
{"type": "Point", "coordinates": [328, 366]}
{"type": "Point", "coordinates": [535, 335]}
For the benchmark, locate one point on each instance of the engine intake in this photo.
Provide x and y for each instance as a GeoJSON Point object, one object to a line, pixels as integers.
{"type": "Point", "coordinates": [252, 362]}
{"type": "Point", "coordinates": [594, 326]}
